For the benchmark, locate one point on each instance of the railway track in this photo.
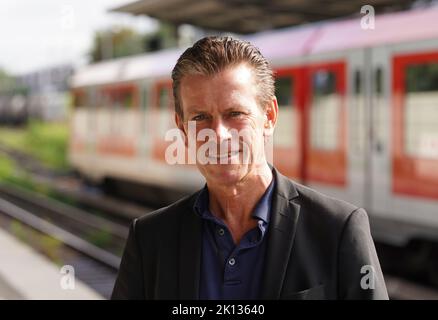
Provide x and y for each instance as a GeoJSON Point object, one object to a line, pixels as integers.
{"type": "Point", "coordinates": [95, 262]}
{"type": "Point", "coordinates": [69, 186]}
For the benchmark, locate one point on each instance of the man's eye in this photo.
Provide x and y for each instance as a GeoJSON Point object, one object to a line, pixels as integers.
{"type": "Point", "coordinates": [236, 114]}
{"type": "Point", "coordinates": [199, 117]}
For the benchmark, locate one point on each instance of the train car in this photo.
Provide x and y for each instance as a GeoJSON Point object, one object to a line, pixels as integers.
{"type": "Point", "coordinates": [358, 117]}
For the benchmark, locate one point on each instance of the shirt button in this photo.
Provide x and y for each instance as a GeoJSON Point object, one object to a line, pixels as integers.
{"type": "Point", "coordinates": [221, 232]}
{"type": "Point", "coordinates": [232, 262]}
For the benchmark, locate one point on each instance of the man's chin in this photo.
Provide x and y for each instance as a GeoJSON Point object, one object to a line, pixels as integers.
{"type": "Point", "coordinates": [225, 174]}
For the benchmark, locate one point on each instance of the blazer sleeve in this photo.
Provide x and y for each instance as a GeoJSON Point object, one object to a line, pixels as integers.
{"type": "Point", "coordinates": [129, 282]}
{"type": "Point", "coordinates": [359, 272]}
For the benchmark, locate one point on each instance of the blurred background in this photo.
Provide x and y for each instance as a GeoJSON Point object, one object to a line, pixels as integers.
{"type": "Point", "coordinates": [86, 100]}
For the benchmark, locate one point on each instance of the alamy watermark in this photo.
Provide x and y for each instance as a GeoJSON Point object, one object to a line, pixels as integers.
{"type": "Point", "coordinates": [205, 147]}
{"type": "Point", "coordinates": [368, 21]}
{"type": "Point", "coordinates": [367, 281]}
{"type": "Point", "coordinates": [67, 281]}
{"type": "Point", "coordinates": [68, 17]}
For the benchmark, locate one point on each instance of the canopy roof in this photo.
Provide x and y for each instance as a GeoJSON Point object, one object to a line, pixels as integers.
{"type": "Point", "coordinates": [249, 16]}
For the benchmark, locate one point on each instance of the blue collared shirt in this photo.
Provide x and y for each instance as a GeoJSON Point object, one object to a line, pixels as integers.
{"type": "Point", "coordinates": [230, 271]}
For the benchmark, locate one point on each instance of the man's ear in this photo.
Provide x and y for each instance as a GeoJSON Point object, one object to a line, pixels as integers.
{"type": "Point", "coordinates": [180, 124]}
{"type": "Point", "coordinates": [271, 114]}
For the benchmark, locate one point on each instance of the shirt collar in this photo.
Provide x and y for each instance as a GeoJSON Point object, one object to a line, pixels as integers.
{"type": "Point", "coordinates": [261, 212]}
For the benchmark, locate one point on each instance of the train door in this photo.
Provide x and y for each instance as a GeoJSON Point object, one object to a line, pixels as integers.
{"type": "Point", "coordinates": [405, 132]}
{"type": "Point", "coordinates": [415, 125]}
{"type": "Point", "coordinates": [83, 137]}
{"type": "Point", "coordinates": [81, 123]}
{"type": "Point", "coordinates": [325, 126]}
{"type": "Point", "coordinates": [118, 125]}
{"type": "Point", "coordinates": [357, 110]}
{"type": "Point", "coordinates": [380, 131]}
{"type": "Point", "coordinates": [288, 137]}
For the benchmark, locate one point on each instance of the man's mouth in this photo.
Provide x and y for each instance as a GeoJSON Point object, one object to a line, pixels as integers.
{"type": "Point", "coordinates": [224, 155]}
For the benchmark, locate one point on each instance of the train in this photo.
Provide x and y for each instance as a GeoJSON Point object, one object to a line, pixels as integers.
{"type": "Point", "coordinates": [358, 117]}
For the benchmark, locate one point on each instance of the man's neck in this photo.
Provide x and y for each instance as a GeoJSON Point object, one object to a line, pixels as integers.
{"type": "Point", "coordinates": [235, 204]}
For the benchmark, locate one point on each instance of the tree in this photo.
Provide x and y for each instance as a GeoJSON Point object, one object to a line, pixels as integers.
{"type": "Point", "coordinates": [164, 37]}
{"type": "Point", "coordinates": [7, 82]}
{"type": "Point", "coordinates": [118, 42]}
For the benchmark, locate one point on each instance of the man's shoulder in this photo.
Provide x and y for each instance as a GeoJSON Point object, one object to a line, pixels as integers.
{"type": "Point", "coordinates": [167, 216]}
{"type": "Point", "coordinates": [323, 201]}
{"type": "Point", "coordinates": [322, 206]}
{"type": "Point", "coordinates": [327, 215]}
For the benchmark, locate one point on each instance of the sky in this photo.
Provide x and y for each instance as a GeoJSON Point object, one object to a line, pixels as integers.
{"type": "Point", "coordinates": [37, 34]}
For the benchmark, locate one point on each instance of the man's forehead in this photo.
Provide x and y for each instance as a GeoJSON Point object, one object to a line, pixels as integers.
{"type": "Point", "coordinates": [224, 100]}
{"type": "Point", "coordinates": [242, 73]}
{"type": "Point", "coordinates": [236, 74]}
{"type": "Point", "coordinates": [230, 88]}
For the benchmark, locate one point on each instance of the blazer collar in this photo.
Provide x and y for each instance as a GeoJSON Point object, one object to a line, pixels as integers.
{"type": "Point", "coordinates": [190, 252]}
{"type": "Point", "coordinates": [281, 234]}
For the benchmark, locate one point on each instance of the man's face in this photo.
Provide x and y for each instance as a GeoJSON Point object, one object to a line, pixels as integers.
{"type": "Point", "coordinates": [226, 104]}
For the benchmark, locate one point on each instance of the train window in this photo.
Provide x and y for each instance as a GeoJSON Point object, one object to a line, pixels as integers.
{"type": "Point", "coordinates": [378, 81]}
{"type": "Point", "coordinates": [79, 99]}
{"type": "Point", "coordinates": [117, 97]}
{"type": "Point", "coordinates": [325, 111]}
{"type": "Point", "coordinates": [163, 100]}
{"type": "Point", "coordinates": [286, 124]}
{"type": "Point", "coordinates": [283, 91]}
{"type": "Point", "coordinates": [124, 98]}
{"type": "Point", "coordinates": [357, 82]}
{"type": "Point", "coordinates": [165, 104]}
{"type": "Point", "coordinates": [144, 97]}
{"type": "Point", "coordinates": [422, 77]}
{"type": "Point", "coordinates": [421, 110]}
{"type": "Point", "coordinates": [92, 97]}
{"type": "Point", "coordinates": [324, 83]}
{"type": "Point", "coordinates": [358, 113]}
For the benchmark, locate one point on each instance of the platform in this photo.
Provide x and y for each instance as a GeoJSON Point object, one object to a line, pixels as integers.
{"type": "Point", "coordinates": [26, 274]}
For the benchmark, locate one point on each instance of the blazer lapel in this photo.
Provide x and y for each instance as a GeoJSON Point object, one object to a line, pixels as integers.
{"type": "Point", "coordinates": [281, 234]}
{"type": "Point", "coordinates": [190, 254]}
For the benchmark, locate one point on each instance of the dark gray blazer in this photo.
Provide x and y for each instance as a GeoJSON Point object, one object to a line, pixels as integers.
{"type": "Point", "coordinates": [318, 248]}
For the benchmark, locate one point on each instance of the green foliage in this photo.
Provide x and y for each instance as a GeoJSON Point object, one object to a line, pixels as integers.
{"type": "Point", "coordinates": [17, 230]}
{"type": "Point", "coordinates": [6, 167]}
{"type": "Point", "coordinates": [100, 238]}
{"type": "Point", "coordinates": [50, 247]}
{"type": "Point", "coordinates": [7, 82]}
{"type": "Point", "coordinates": [116, 43]}
{"type": "Point", "coordinates": [119, 42]}
{"type": "Point", "coordinates": [45, 244]}
{"type": "Point", "coordinates": [10, 173]}
{"type": "Point", "coordinates": [46, 142]}
{"type": "Point", "coordinates": [164, 37]}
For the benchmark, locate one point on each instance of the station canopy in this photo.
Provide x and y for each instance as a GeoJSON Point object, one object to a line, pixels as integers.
{"type": "Point", "coordinates": [249, 16]}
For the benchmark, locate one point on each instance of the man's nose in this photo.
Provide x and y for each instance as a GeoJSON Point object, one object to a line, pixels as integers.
{"type": "Point", "coordinates": [221, 129]}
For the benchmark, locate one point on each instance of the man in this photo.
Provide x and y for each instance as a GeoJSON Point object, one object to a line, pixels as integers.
{"type": "Point", "coordinates": [251, 233]}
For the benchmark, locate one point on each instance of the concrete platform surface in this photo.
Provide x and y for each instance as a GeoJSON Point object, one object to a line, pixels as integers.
{"type": "Point", "coordinates": [26, 274]}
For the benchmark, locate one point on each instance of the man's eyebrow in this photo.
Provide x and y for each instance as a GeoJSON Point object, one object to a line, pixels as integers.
{"type": "Point", "coordinates": [195, 110]}
{"type": "Point", "coordinates": [238, 107]}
